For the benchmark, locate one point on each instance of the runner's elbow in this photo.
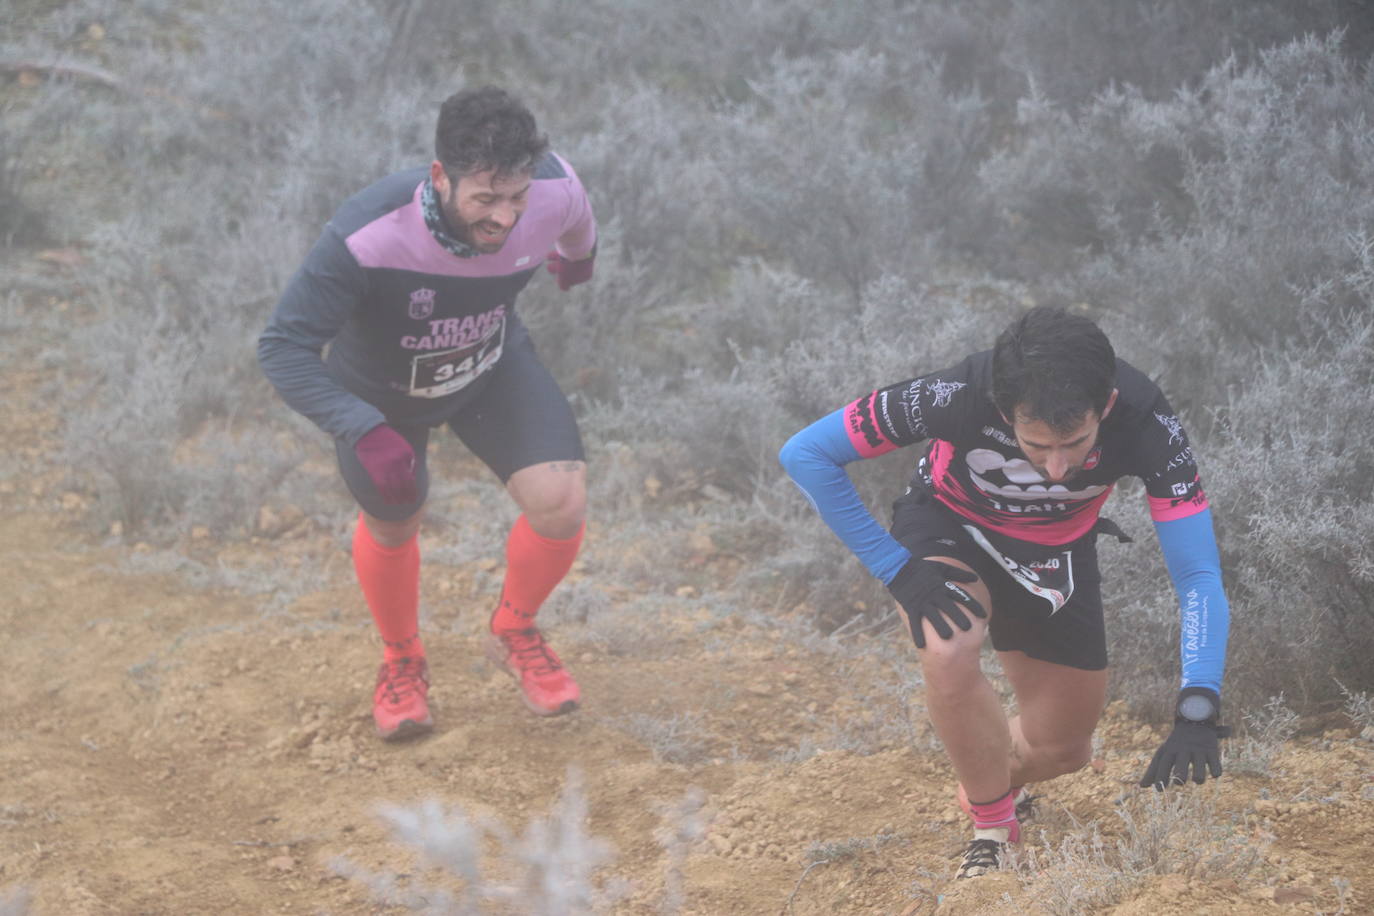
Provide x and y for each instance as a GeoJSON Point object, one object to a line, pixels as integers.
{"type": "Point", "coordinates": [794, 454]}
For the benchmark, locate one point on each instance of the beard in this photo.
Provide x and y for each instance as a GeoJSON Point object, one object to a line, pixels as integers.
{"type": "Point", "coordinates": [483, 235]}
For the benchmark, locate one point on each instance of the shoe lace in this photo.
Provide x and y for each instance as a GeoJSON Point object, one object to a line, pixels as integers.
{"type": "Point", "coordinates": [984, 854]}
{"type": "Point", "coordinates": [403, 676]}
{"type": "Point", "coordinates": [531, 652]}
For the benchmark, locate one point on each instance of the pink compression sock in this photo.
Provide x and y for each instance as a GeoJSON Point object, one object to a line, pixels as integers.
{"type": "Point", "coordinates": [534, 565]}
{"type": "Point", "coordinates": [390, 577]}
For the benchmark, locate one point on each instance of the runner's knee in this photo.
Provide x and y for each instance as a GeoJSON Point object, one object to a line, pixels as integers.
{"type": "Point", "coordinates": [1064, 757]}
{"type": "Point", "coordinates": [952, 664]}
{"type": "Point", "coordinates": [554, 501]}
{"type": "Point", "coordinates": [559, 520]}
{"type": "Point", "coordinates": [393, 534]}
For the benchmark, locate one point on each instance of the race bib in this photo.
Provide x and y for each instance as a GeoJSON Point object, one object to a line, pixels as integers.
{"type": "Point", "coordinates": [434, 375]}
{"type": "Point", "coordinates": [1049, 577]}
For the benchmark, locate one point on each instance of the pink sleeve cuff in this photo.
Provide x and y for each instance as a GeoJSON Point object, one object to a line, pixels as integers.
{"type": "Point", "coordinates": [1169, 508]}
{"type": "Point", "coordinates": [868, 440]}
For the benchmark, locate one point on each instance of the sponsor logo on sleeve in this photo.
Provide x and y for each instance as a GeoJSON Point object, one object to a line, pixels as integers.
{"type": "Point", "coordinates": [883, 414]}
{"type": "Point", "coordinates": [1171, 423]}
{"type": "Point", "coordinates": [1187, 492]}
{"type": "Point", "coordinates": [1195, 623]}
{"type": "Point", "coordinates": [1182, 459]}
{"type": "Point", "coordinates": [943, 391]}
{"type": "Point", "coordinates": [860, 416]}
{"type": "Point", "coordinates": [911, 405]}
{"type": "Point", "coordinates": [1179, 460]}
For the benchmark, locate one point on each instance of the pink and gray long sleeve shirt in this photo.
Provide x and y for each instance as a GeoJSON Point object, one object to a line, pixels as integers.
{"type": "Point", "coordinates": [412, 324]}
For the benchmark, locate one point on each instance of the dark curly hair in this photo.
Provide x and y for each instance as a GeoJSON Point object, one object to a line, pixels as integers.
{"type": "Point", "coordinates": [487, 129]}
{"type": "Point", "coordinates": [1053, 366]}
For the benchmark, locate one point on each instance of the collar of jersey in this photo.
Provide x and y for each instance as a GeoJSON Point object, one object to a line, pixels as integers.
{"type": "Point", "coordinates": [434, 220]}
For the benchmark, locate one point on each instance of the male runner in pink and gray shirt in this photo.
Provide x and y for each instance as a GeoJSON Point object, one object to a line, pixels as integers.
{"type": "Point", "coordinates": [413, 286]}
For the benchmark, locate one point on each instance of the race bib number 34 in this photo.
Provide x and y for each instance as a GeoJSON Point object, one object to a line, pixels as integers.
{"type": "Point", "coordinates": [434, 375]}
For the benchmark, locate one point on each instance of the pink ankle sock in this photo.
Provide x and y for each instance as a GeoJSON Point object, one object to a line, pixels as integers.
{"type": "Point", "coordinates": [998, 813]}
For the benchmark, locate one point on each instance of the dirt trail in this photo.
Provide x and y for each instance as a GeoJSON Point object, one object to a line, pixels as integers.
{"type": "Point", "coordinates": [169, 749]}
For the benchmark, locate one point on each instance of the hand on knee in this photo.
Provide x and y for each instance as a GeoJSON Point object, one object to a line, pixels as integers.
{"type": "Point", "coordinates": [935, 604]}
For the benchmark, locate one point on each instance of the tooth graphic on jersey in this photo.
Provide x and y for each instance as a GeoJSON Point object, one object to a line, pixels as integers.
{"type": "Point", "coordinates": [1018, 471]}
{"type": "Point", "coordinates": [1015, 478]}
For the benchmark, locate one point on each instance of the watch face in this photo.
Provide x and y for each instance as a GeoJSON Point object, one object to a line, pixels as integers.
{"type": "Point", "coordinates": [1196, 708]}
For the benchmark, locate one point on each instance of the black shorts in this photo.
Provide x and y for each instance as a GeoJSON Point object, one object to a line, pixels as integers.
{"type": "Point", "coordinates": [521, 418]}
{"type": "Point", "coordinates": [1019, 620]}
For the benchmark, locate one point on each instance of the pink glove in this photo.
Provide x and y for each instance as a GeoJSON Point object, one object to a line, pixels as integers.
{"type": "Point", "coordinates": [390, 462]}
{"type": "Point", "coordinates": [570, 273]}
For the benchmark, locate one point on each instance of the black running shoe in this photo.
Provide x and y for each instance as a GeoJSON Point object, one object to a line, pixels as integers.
{"type": "Point", "coordinates": [985, 853]}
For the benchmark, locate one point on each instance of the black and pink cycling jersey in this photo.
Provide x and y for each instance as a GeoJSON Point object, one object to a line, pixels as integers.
{"type": "Point", "coordinates": [975, 467]}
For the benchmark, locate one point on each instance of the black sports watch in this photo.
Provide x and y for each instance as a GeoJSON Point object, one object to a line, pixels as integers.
{"type": "Point", "coordinates": [1198, 704]}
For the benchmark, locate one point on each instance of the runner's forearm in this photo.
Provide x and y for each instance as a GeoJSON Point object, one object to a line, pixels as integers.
{"type": "Point", "coordinates": [815, 459]}
{"type": "Point", "coordinates": [1190, 551]}
{"type": "Point", "coordinates": [300, 378]}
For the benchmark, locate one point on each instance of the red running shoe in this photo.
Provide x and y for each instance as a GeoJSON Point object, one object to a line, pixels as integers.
{"type": "Point", "coordinates": [399, 705]}
{"type": "Point", "coordinates": [547, 687]}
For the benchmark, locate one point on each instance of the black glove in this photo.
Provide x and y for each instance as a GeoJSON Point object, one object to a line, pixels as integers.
{"type": "Point", "coordinates": [1192, 743]}
{"type": "Point", "coordinates": [926, 589]}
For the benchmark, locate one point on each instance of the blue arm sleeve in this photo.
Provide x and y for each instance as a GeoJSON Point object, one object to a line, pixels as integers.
{"type": "Point", "coordinates": [1190, 551]}
{"type": "Point", "coordinates": [815, 458]}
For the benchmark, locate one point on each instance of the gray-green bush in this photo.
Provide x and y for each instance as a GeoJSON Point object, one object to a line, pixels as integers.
{"type": "Point", "coordinates": [549, 870]}
{"type": "Point", "coordinates": [797, 203]}
{"type": "Point", "coordinates": [1178, 833]}
{"type": "Point", "coordinates": [1266, 730]}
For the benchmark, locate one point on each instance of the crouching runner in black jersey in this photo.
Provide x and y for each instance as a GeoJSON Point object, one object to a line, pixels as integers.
{"type": "Point", "coordinates": [413, 286]}
{"type": "Point", "coordinates": [996, 534]}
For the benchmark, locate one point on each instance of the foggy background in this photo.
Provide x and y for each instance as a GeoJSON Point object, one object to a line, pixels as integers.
{"type": "Point", "coordinates": [798, 203]}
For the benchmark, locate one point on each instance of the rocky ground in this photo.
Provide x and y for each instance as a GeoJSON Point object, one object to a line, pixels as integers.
{"type": "Point", "coordinates": [186, 729]}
